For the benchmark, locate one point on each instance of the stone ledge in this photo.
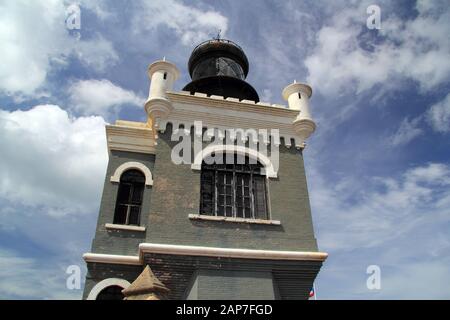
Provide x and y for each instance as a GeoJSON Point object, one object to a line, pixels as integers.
{"type": "Point", "coordinates": [124, 227]}
{"type": "Point", "coordinates": [232, 219]}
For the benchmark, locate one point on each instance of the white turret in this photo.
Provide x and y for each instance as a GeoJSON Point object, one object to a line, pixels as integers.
{"type": "Point", "coordinates": [297, 95]}
{"type": "Point", "coordinates": [162, 75]}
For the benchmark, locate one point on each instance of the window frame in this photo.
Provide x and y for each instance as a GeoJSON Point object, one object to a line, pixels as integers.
{"type": "Point", "coordinates": [129, 203]}
{"type": "Point", "coordinates": [235, 171]}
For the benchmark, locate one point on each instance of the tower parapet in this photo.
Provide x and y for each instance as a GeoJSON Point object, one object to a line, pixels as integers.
{"type": "Point", "coordinates": [162, 75]}
{"type": "Point", "coordinates": [297, 96]}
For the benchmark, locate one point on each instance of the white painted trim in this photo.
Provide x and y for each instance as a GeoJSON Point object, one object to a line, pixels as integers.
{"type": "Point", "coordinates": [269, 170]}
{"type": "Point", "coordinates": [107, 283]}
{"type": "Point", "coordinates": [232, 219]}
{"type": "Point", "coordinates": [133, 165]}
{"type": "Point", "coordinates": [111, 258]}
{"type": "Point", "coordinates": [124, 227]}
{"type": "Point", "coordinates": [231, 252]}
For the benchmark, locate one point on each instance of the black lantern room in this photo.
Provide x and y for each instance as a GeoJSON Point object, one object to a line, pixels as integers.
{"type": "Point", "coordinates": [219, 67]}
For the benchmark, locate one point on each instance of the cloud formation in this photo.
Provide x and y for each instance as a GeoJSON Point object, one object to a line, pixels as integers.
{"type": "Point", "coordinates": [52, 160]}
{"type": "Point", "coordinates": [100, 97]}
{"type": "Point", "coordinates": [438, 115]}
{"type": "Point", "coordinates": [35, 40]}
{"type": "Point", "coordinates": [26, 278]}
{"type": "Point", "coordinates": [191, 24]}
{"type": "Point", "coordinates": [408, 131]}
{"type": "Point", "coordinates": [386, 207]}
{"type": "Point", "coordinates": [350, 58]}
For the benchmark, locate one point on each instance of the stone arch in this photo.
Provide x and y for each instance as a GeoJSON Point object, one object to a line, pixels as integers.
{"type": "Point", "coordinates": [133, 165]}
{"type": "Point", "coordinates": [269, 169]}
{"type": "Point", "coordinates": [106, 283]}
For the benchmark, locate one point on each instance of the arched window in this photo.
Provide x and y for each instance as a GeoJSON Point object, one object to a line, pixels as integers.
{"type": "Point", "coordinates": [129, 198]}
{"type": "Point", "coordinates": [111, 293]}
{"type": "Point", "coordinates": [233, 190]}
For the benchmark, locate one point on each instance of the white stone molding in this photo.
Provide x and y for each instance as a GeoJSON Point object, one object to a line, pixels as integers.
{"type": "Point", "coordinates": [230, 113]}
{"type": "Point", "coordinates": [105, 284]}
{"type": "Point", "coordinates": [269, 170]}
{"type": "Point", "coordinates": [111, 258]}
{"type": "Point", "coordinates": [231, 252]}
{"type": "Point", "coordinates": [133, 165]}
{"type": "Point", "coordinates": [203, 251]}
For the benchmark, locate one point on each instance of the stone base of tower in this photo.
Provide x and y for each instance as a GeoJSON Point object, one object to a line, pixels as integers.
{"type": "Point", "coordinates": [203, 273]}
{"type": "Point", "coordinates": [207, 278]}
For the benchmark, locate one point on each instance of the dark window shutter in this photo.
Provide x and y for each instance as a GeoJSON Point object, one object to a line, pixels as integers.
{"type": "Point", "coordinates": [259, 189]}
{"type": "Point", "coordinates": [207, 192]}
{"type": "Point", "coordinates": [123, 195]}
{"type": "Point", "coordinates": [134, 215]}
{"type": "Point", "coordinates": [138, 191]}
{"type": "Point", "coordinates": [120, 216]}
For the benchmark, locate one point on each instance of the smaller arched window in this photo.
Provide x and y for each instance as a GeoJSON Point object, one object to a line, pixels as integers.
{"type": "Point", "coordinates": [129, 198]}
{"type": "Point", "coordinates": [111, 293]}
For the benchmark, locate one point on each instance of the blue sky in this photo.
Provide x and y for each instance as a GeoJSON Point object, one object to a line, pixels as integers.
{"type": "Point", "coordinates": [378, 165]}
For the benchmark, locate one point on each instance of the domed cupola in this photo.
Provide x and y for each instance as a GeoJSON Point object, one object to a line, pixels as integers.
{"type": "Point", "coordinates": [219, 67]}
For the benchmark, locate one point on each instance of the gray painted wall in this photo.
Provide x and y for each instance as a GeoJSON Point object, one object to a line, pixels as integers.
{"type": "Point", "coordinates": [120, 241]}
{"type": "Point", "coordinates": [176, 193]}
{"type": "Point", "coordinates": [232, 285]}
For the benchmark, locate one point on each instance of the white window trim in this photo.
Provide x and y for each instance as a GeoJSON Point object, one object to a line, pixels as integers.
{"type": "Point", "coordinates": [106, 283]}
{"type": "Point", "coordinates": [232, 219]}
{"type": "Point", "coordinates": [269, 170]}
{"type": "Point", "coordinates": [133, 165]}
{"type": "Point", "coordinates": [124, 227]}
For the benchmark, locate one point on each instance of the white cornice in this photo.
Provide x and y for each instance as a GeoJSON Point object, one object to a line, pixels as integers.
{"type": "Point", "coordinates": [130, 136]}
{"type": "Point", "coordinates": [231, 252]}
{"type": "Point", "coordinates": [111, 258]}
{"type": "Point", "coordinates": [205, 252]}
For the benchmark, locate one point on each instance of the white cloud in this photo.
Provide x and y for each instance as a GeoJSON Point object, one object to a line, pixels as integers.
{"type": "Point", "coordinates": [386, 208]}
{"type": "Point", "coordinates": [99, 7]}
{"type": "Point", "coordinates": [408, 130]}
{"type": "Point", "coordinates": [27, 278]}
{"type": "Point", "coordinates": [398, 222]}
{"type": "Point", "coordinates": [439, 115]}
{"type": "Point", "coordinates": [416, 49]}
{"type": "Point", "coordinates": [418, 280]}
{"type": "Point", "coordinates": [100, 97]}
{"type": "Point", "coordinates": [189, 23]}
{"type": "Point", "coordinates": [34, 39]}
{"type": "Point", "coordinates": [52, 160]}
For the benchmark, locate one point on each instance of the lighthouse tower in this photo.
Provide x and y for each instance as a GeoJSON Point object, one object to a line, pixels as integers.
{"type": "Point", "coordinates": [208, 198]}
